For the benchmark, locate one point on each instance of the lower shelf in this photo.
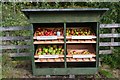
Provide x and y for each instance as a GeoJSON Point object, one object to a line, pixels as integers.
{"type": "Point", "coordinates": [67, 59]}
{"type": "Point", "coordinates": [82, 55]}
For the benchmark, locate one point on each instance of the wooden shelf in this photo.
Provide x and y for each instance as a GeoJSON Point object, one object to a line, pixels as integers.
{"type": "Point", "coordinates": [80, 42]}
{"type": "Point", "coordinates": [61, 56]}
{"type": "Point", "coordinates": [70, 37]}
{"type": "Point", "coordinates": [36, 56]}
{"type": "Point", "coordinates": [48, 42]}
{"type": "Point", "coordinates": [62, 42]}
{"type": "Point", "coordinates": [81, 37]}
{"type": "Point", "coordinates": [68, 60]}
{"type": "Point", "coordinates": [58, 37]}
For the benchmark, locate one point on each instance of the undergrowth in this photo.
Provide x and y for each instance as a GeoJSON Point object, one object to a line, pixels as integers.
{"type": "Point", "coordinates": [113, 60]}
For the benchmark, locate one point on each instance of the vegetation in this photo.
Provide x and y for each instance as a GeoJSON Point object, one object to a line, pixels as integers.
{"type": "Point", "coordinates": [113, 59]}
{"type": "Point", "coordinates": [107, 74]}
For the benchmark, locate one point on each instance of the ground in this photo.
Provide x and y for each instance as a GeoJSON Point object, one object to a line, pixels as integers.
{"type": "Point", "coordinates": [23, 70]}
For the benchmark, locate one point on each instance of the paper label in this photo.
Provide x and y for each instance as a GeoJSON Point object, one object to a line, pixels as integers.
{"type": "Point", "coordinates": [48, 56]}
{"type": "Point", "coordinates": [82, 56]}
{"type": "Point", "coordinates": [46, 37]}
{"type": "Point", "coordinates": [83, 37]}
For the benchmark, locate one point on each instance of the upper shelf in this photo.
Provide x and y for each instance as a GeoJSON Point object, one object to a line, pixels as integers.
{"type": "Point", "coordinates": [61, 37]}
{"type": "Point", "coordinates": [48, 37]}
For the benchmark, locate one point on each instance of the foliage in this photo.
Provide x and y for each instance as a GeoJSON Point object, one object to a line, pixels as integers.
{"type": "Point", "coordinates": [12, 16]}
{"type": "Point", "coordinates": [19, 19]}
{"type": "Point", "coordinates": [113, 59]}
{"type": "Point", "coordinates": [105, 73]}
{"type": "Point", "coordinates": [7, 66]}
{"type": "Point", "coordinates": [14, 69]}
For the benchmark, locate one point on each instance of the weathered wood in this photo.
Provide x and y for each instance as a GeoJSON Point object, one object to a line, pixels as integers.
{"type": "Point", "coordinates": [105, 51]}
{"type": "Point", "coordinates": [109, 25]}
{"type": "Point", "coordinates": [109, 35]}
{"type": "Point", "coordinates": [15, 38]}
{"type": "Point", "coordinates": [19, 55]}
{"type": "Point", "coordinates": [109, 44]}
{"type": "Point", "coordinates": [15, 46]}
{"type": "Point", "coordinates": [112, 39]}
{"type": "Point", "coordinates": [10, 28]}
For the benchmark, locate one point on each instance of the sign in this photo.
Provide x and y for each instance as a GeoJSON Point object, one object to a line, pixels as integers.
{"type": "Point", "coordinates": [83, 37]}
{"type": "Point", "coordinates": [48, 56]}
{"type": "Point", "coordinates": [46, 37]}
{"type": "Point", "coordinates": [82, 56]}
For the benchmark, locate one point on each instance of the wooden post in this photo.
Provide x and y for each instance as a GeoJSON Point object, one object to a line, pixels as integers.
{"type": "Point", "coordinates": [112, 39]}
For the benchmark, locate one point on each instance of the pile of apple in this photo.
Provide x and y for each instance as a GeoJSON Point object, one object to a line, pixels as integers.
{"type": "Point", "coordinates": [50, 50]}
{"type": "Point", "coordinates": [78, 32]}
{"type": "Point", "coordinates": [48, 31]}
{"type": "Point", "coordinates": [74, 52]}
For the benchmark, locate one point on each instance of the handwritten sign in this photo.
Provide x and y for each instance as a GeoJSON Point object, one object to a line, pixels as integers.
{"type": "Point", "coordinates": [46, 37]}
{"type": "Point", "coordinates": [48, 56]}
{"type": "Point", "coordinates": [82, 56]}
{"type": "Point", "coordinates": [83, 37]}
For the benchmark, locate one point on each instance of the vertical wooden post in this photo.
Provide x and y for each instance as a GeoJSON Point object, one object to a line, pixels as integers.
{"type": "Point", "coordinates": [65, 45]}
{"type": "Point", "coordinates": [112, 39]}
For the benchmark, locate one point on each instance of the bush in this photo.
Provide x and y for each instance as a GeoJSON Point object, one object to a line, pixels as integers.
{"type": "Point", "coordinates": [113, 59]}
{"type": "Point", "coordinates": [7, 66]}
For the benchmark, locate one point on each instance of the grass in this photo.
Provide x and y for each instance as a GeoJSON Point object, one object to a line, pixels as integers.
{"type": "Point", "coordinates": [106, 73]}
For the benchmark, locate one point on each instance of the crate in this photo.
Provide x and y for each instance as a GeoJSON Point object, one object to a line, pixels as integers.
{"type": "Point", "coordinates": [65, 41]}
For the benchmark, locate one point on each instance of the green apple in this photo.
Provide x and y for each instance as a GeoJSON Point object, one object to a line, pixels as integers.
{"type": "Point", "coordinates": [39, 53]}
{"type": "Point", "coordinates": [44, 53]}
{"type": "Point", "coordinates": [76, 33]}
{"type": "Point", "coordinates": [61, 53]}
{"type": "Point", "coordinates": [46, 50]}
{"type": "Point", "coordinates": [59, 49]}
{"type": "Point", "coordinates": [53, 53]}
{"type": "Point", "coordinates": [57, 53]}
{"type": "Point", "coordinates": [49, 50]}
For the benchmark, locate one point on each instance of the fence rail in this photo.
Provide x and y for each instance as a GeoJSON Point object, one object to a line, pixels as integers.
{"type": "Point", "coordinates": [111, 35]}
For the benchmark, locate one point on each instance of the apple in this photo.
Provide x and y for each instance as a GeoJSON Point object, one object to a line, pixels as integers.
{"type": "Point", "coordinates": [39, 53]}
{"type": "Point", "coordinates": [46, 50]}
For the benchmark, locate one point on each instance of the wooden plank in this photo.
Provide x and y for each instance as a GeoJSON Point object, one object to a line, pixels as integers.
{"type": "Point", "coordinates": [58, 37]}
{"type": "Point", "coordinates": [48, 42]}
{"type": "Point", "coordinates": [13, 28]}
{"type": "Point", "coordinates": [68, 60]}
{"type": "Point", "coordinates": [19, 54]}
{"type": "Point", "coordinates": [93, 55]}
{"type": "Point", "coordinates": [109, 25]}
{"type": "Point", "coordinates": [15, 38]}
{"type": "Point", "coordinates": [112, 39]}
{"type": "Point", "coordinates": [109, 44]}
{"type": "Point", "coordinates": [15, 46]}
{"type": "Point", "coordinates": [71, 42]}
{"type": "Point", "coordinates": [105, 51]}
{"type": "Point", "coordinates": [109, 35]}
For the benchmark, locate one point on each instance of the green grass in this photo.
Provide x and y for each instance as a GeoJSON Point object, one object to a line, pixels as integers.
{"type": "Point", "coordinates": [106, 73]}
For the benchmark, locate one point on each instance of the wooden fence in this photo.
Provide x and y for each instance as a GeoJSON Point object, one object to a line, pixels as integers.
{"type": "Point", "coordinates": [27, 39]}
{"type": "Point", "coordinates": [111, 35]}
